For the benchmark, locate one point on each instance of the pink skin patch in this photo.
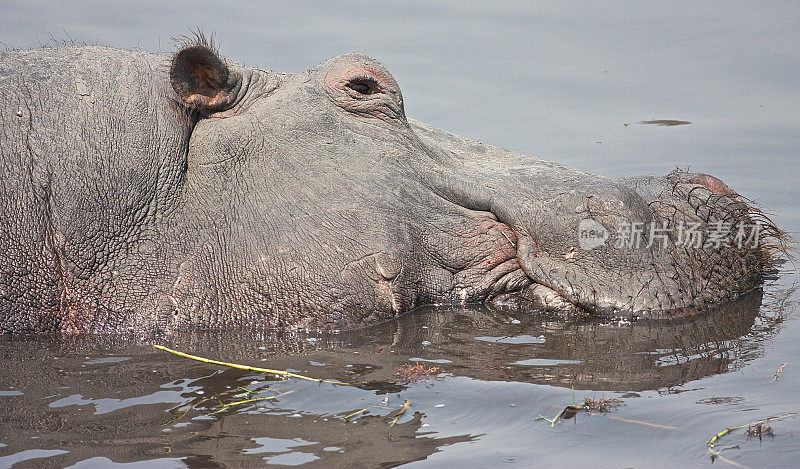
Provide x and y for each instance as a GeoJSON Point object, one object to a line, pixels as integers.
{"type": "Point", "coordinates": [364, 90]}
{"type": "Point", "coordinates": [338, 78]}
{"type": "Point", "coordinates": [713, 184]}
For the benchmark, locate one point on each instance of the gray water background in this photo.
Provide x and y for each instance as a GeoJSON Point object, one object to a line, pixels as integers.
{"type": "Point", "coordinates": [559, 80]}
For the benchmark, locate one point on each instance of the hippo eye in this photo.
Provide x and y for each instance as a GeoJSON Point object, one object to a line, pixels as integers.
{"type": "Point", "coordinates": [360, 87]}
{"type": "Point", "coordinates": [363, 86]}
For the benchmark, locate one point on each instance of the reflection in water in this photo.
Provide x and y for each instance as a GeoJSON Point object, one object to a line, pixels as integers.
{"type": "Point", "coordinates": [584, 354]}
{"type": "Point", "coordinates": [120, 398]}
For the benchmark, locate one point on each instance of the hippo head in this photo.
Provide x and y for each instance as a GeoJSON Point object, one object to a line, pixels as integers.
{"type": "Point", "coordinates": [310, 200]}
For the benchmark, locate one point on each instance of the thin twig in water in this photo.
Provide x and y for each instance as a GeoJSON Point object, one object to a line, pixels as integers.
{"type": "Point", "coordinates": [392, 415]}
{"type": "Point", "coordinates": [569, 408]}
{"type": "Point", "coordinates": [640, 422]}
{"type": "Point", "coordinates": [356, 413]}
{"type": "Point", "coordinates": [227, 406]}
{"type": "Point", "coordinates": [397, 413]}
{"type": "Point", "coordinates": [249, 368]}
{"type": "Point", "coordinates": [717, 455]}
{"type": "Point", "coordinates": [366, 409]}
{"type": "Point", "coordinates": [181, 411]}
{"type": "Point", "coordinates": [589, 405]}
{"type": "Point", "coordinates": [779, 372]}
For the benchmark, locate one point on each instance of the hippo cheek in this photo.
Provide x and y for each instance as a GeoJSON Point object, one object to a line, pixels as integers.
{"type": "Point", "coordinates": [385, 272]}
{"type": "Point", "coordinates": [485, 259]}
{"type": "Point", "coordinates": [488, 260]}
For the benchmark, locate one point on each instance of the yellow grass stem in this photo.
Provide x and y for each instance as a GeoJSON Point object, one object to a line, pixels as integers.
{"type": "Point", "coordinates": [710, 443]}
{"type": "Point", "coordinates": [247, 401]}
{"type": "Point", "coordinates": [355, 413]}
{"type": "Point", "coordinates": [399, 412]}
{"type": "Point", "coordinates": [227, 406]}
{"type": "Point", "coordinates": [248, 368]}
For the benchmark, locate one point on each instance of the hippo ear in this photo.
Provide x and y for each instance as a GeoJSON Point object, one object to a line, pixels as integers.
{"type": "Point", "coordinates": [202, 81]}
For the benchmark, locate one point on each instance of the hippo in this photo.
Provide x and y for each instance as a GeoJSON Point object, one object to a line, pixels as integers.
{"type": "Point", "coordinates": [148, 193]}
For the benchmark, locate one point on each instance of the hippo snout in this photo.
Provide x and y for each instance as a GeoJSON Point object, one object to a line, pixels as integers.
{"type": "Point", "coordinates": [656, 247]}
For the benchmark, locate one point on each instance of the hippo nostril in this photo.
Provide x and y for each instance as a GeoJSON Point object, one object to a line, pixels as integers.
{"type": "Point", "coordinates": [713, 184]}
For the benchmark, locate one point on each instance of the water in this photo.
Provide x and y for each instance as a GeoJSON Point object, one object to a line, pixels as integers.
{"type": "Point", "coordinates": [555, 80]}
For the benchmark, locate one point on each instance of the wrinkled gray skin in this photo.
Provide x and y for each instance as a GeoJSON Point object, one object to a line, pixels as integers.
{"type": "Point", "coordinates": [146, 193]}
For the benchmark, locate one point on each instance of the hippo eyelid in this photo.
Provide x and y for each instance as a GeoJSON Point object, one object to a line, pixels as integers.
{"type": "Point", "coordinates": [363, 88]}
